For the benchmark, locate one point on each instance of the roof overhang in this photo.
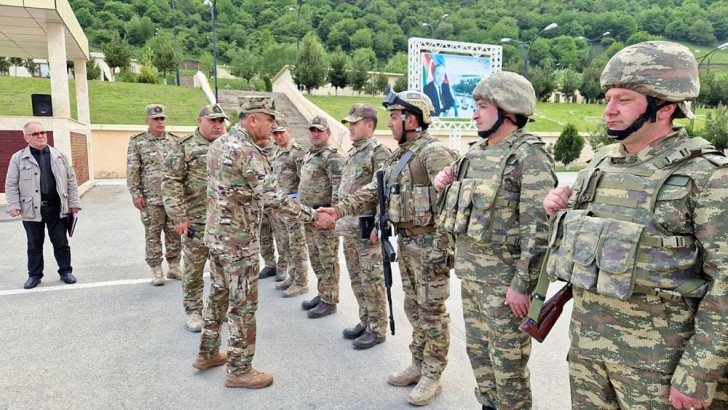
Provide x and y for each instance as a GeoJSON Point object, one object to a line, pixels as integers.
{"type": "Point", "coordinates": [24, 28]}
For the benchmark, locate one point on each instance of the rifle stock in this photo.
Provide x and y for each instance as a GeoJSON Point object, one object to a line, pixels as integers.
{"type": "Point", "coordinates": [549, 315]}
{"type": "Point", "coordinates": [388, 253]}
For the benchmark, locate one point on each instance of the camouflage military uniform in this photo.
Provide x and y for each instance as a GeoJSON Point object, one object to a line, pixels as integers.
{"type": "Point", "coordinates": [364, 259]}
{"type": "Point", "coordinates": [184, 188]}
{"type": "Point", "coordinates": [494, 209]}
{"type": "Point", "coordinates": [267, 248]}
{"type": "Point", "coordinates": [290, 234]}
{"type": "Point", "coordinates": [412, 211]}
{"type": "Point", "coordinates": [320, 178]}
{"type": "Point", "coordinates": [144, 171]}
{"type": "Point", "coordinates": [240, 184]}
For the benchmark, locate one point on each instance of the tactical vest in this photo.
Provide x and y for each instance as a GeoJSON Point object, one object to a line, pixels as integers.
{"type": "Point", "coordinates": [475, 205]}
{"type": "Point", "coordinates": [412, 199]}
{"type": "Point", "coordinates": [610, 242]}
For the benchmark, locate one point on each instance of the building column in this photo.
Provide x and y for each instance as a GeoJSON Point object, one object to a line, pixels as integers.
{"type": "Point", "coordinates": [59, 75]}
{"type": "Point", "coordinates": [82, 100]}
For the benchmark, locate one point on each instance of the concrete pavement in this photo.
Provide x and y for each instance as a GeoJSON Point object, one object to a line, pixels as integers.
{"type": "Point", "coordinates": [114, 341]}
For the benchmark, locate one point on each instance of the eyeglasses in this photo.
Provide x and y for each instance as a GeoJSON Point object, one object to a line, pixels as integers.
{"type": "Point", "coordinates": [36, 134]}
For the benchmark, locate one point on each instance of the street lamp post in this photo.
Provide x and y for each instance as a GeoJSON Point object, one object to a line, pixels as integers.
{"type": "Point", "coordinates": [298, 22]}
{"type": "Point", "coordinates": [174, 31]}
{"type": "Point", "coordinates": [432, 28]}
{"type": "Point", "coordinates": [212, 4]}
{"type": "Point", "coordinates": [591, 43]}
{"type": "Point", "coordinates": [526, 50]}
{"type": "Point", "coordinates": [702, 59]}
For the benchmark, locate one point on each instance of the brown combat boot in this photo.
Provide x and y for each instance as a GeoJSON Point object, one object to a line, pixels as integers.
{"type": "Point", "coordinates": [295, 290]}
{"type": "Point", "coordinates": [410, 375]}
{"type": "Point", "coordinates": [285, 284]}
{"type": "Point", "coordinates": [425, 391]}
{"type": "Point", "coordinates": [157, 276]}
{"type": "Point", "coordinates": [252, 379]}
{"type": "Point", "coordinates": [174, 271]}
{"type": "Point", "coordinates": [204, 361]}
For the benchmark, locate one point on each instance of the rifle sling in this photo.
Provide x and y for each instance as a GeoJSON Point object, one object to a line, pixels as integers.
{"type": "Point", "coordinates": [539, 295]}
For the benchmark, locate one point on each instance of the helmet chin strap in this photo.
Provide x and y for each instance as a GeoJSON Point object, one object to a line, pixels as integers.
{"type": "Point", "coordinates": [403, 137]}
{"type": "Point", "coordinates": [649, 114]}
{"type": "Point", "coordinates": [501, 119]}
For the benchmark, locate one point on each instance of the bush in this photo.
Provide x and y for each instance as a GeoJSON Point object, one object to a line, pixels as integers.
{"type": "Point", "coordinates": [148, 74]}
{"type": "Point", "coordinates": [569, 145]}
{"type": "Point", "coordinates": [716, 128]}
{"type": "Point", "coordinates": [126, 76]}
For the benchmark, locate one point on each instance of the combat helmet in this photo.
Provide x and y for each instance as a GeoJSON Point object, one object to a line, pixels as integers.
{"type": "Point", "coordinates": [661, 70]}
{"type": "Point", "coordinates": [509, 92]}
{"type": "Point", "coordinates": [416, 102]}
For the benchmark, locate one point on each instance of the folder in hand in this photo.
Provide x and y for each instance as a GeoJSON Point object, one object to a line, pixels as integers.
{"type": "Point", "coordinates": [71, 221]}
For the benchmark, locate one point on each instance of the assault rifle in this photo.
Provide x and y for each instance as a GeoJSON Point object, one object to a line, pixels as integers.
{"type": "Point", "coordinates": [385, 231]}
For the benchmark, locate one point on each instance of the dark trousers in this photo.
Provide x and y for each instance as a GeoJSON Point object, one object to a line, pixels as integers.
{"type": "Point", "coordinates": [35, 231]}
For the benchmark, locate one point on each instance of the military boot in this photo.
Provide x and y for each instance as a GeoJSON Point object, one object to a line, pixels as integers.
{"type": "Point", "coordinates": [205, 361]}
{"type": "Point", "coordinates": [310, 304]}
{"type": "Point", "coordinates": [194, 322]}
{"type": "Point", "coordinates": [285, 284]}
{"type": "Point", "coordinates": [321, 310]}
{"type": "Point", "coordinates": [281, 275]}
{"type": "Point", "coordinates": [252, 379]}
{"type": "Point", "coordinates": [267, 272]}
{"type": "Point", "coordinates": [295, 290]}
{"type": "Point", "coordinates": [425, 391]}
{"type": "Point", "coordinates": [352, 333]}
{"type": "Point", "coordinates": [488, 407]}
{"type": "Point", "coordinates": [368, 340]}
{"type": "Point", "coordinates": [410, 375]}
{"type": "Point", "coordinates": [174, 271]}
{"type": "Point", "coordinates": [157, 276]}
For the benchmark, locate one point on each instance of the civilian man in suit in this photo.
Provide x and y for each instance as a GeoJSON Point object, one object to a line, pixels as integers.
{"type": "Point", "coordinates": [440, 94]}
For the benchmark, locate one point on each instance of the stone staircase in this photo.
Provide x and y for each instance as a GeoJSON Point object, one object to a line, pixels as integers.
{"type": "Point", "coordinates": [229, 100]}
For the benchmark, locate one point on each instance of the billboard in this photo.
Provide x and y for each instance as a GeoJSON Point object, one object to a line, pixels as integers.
{"type": "Point", "coordinates": [449, 79]}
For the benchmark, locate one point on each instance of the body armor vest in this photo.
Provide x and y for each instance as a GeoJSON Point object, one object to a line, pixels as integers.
{"type": "Point", "coordinates": [412, 197]}
{"type": "Point", "coordinates": [611, 240]}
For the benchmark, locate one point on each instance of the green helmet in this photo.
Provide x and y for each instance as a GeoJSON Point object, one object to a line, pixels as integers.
{"type": "Point", "coordinates": [413, 101]}
{"type": "Point", "coordinates": [508, 91]}
{"type": "Point", "coordinates": [659, 69]}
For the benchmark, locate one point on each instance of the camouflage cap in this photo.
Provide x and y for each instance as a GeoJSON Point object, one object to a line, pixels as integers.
{"type": "Point", "coordinates": [318, 123]}
{"type": "Point", "coordinates": [212, 111]}
{"type": "Point", "coordinates": [660, 69]}
{"type": "Point", "coordinates": [508, 91]}
{"type": "Point", "coordinates": [259, 103]}
{"type": "Point", "coordinates": [155, 111]}
{"type": "Point", "coordinates": [360, 111]}
{"type": "Point", "coordinates": [282, 125]}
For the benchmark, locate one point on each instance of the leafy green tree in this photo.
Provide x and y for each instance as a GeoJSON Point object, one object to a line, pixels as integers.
{"type": "Point", "coordinates": [338, 70]}
{"type": "Point", "coordinates": [245, 64]}
{"type": "Point", "coordinates": [641, 36]}
{"type": "Point", "coordinates": [381, 82]}
{"type": "Point", "coordinates": [139, 30]}
{"type": "Point", "coordinates": [716, 128]}
{"type": "Point", "coordinates": [401, 84]}
{"type": "Point", "coordinates": [570, 82]}
{"type": "Point", "coordinates": [312, 65]}
{"type": "Point", "coordinates": [589, 87]}
{"type": "Point", "coordinates": [363, 38]}
{"type": "Point", "coordinates": [543, 81]}
{"type": "Point", "coordinates": [275, 56]}
{"type": "Point", "coordinates": [117, 52]}
{"type": "Point", "coordinates": [93, 71]}
{"type": "Point", "coordinates": [17, 62]}
{"type": "Point", "coordinates": [361, 64]}
{"type": "Point", "coordinates": [701, 32]}
{"type": "Point", "coordinates": [149, 72]}
{"type": "Point", "coordinates": [30, 65]}
{"type": "Point", "coordinates": [568, 146]}
{"type": "Point", "coordinates": [164, 56]}
{"type": "Point", "coordinates": [397, 64]}
{"type": "Point", "coordinates": [206, 63]}
{"type": "Point", "coordinates": [4, 66]}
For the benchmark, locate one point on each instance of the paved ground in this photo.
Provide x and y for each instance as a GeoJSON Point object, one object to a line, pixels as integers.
{"type": "Point", "coordinates": [113, 341]}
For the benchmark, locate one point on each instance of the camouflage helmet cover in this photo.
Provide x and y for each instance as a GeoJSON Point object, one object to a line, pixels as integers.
{"type": "Point", "coordinates": [509, 91]}
{"type": "Point", "coordinates": [659, 69]}
{"type": "Point", "coordinates": [413, 101]}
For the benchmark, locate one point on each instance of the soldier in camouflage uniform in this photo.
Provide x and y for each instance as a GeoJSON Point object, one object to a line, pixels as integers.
{"type": "Point", "coordinates": [289, 234]}
{"type": "Point", "coordinates": [422, 251]}
{"type": "Point", "coordinates": [240, 183]}
{"type": "Point", "coordinates": [319, 186]}
{"type": "Point", "coordinates": [642, 237]}
{"type": "Point", "coordinates": [363, 256]}
{"type": "Point", "coordinates": [184, 192]}
{"type": "Point", "coordinates": [145, 168]}
{"type": "Point", "coordinates": [493, 208]}
{"type": "Point", "coordinates": [273, 267]}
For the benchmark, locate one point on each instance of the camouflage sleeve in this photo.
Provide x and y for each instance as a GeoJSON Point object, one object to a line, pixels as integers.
{"type": "Point", "coordinates": [436, 157]}
{"type": "Point", "coordinates": [133, 170]}
{"type": "Point", "coordinates": [381, 154]}
{"type": "Point", "coordinates": [705, 359]}
{"type": "Point", "coordinates": [333, 170]}
{"type": "Point", "coordinates": [363, 200]}
{"type": "Point", "coordinates": [535, 171]}
{"type": "Point", "coordinates": [173, 190]}
{"type": "Point", "coordinates": [265, 189]}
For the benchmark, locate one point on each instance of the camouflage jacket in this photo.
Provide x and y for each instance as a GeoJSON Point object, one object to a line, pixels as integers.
{"type": "Point", "coordinates": [687, 337]}
{"type": "Point", "coordinates": [320, 176]}
{"type": "Point", "coordinates": [364, 159]}
{"type": "Point", "coordinates": [240, 183]}
{"type": "Point", "coordinates": [185, 181]}
{"type": "Point", "coordinates": [145, 165]}
{"type": "Point", "coordinates": [496, 209]}
{"type": "Point", "coordinates": [286, 167]}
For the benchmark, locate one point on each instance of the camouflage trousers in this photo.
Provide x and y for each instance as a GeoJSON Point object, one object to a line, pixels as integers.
{"type": "Point", "coordinates": [233, 288]}
{"type": "Point", "coordinates": [603, 385]}
{"type": "Point", "coordinates": [292, 253]}
{"type": "Point", "coordinates": [323, 252]}
{"type": "Point", "coordinates": [194, 256]}
{"type": "Point", "coordinates": [425, 293]}
{"type": "Point", "coordinates": [364, 263]}
{"type": "Point", "coordinates": [155, 221]}
{"type": "Point", "coordinates": [267, 249]}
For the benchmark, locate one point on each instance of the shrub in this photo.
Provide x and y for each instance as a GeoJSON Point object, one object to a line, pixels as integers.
{"type": "Point", "coordinates": [569, 145]}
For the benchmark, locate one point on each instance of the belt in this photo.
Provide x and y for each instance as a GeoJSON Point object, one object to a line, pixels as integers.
{"type": "Point", "coordinates": [417, 230]}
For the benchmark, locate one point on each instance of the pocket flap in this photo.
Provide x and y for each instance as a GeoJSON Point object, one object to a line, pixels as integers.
{"type": "Point", "coordinates": [452, 195]}
{"type": "Point", "coordinates": [618, 248]}
{"type": "Point", "coordinates": [484, 193]}
{"type": "Point", "coordinates": [587, 240]}
{"type": "Point", "coordinates": [466, 193]}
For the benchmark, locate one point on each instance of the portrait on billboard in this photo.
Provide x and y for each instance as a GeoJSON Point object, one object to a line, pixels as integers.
{"type": "Point", "coordinates": [449, 81]}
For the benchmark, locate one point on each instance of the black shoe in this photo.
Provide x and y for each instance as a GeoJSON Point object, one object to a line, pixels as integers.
{"type": "Point", "coordinates": [321, 310]}
{"type": "Point", "coordinates": [68, 278]}
{"type": "Point", "coordinates": [310, 304]}
{"type": "Point", "coordinates": [367, 340]}
{"type": "Point", "coordinates": [352, 333]}
{"type": "Point", "coordinates": [267, 272]}
{"type": "Point", "coordinates": [488, 407]}
{"type": "Point", "coordinates": [31, 282]}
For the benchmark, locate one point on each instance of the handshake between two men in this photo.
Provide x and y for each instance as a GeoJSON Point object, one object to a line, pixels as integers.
{"type": "Point", "coordinates": [325, 218]}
